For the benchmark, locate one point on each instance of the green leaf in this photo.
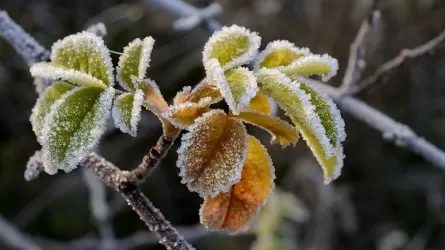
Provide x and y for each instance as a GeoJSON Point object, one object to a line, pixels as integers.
{"type": "Point", "coordinates": [134, 62]}
{"type": "Point", "coordinates": [53, 71]}
{"type": "Point", "coordinates": [74, 126]}
{"type": "Point", "coordinates": [84, 52]}
{"type": "Point", "coordinates": [278, 54]}
{"type": "Point", "coordinates": [313, 113]}
{"type": "Point", "coordinates": [127, 112]}
{"type": "Point", "coordinates": [232, 47]}
{"type": "Point", "coordinates": [324, 66]}
{"type": "Point", "coordinates": [44, 103]}
{"type": "Point", "coordinates": [238, 86]}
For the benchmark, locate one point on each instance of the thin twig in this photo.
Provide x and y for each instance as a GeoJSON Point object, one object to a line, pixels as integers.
{"type": "Point", "coordinates": [397, 61]}
{"type": "Point", "coordinates": [393, 131]}
{"type": "Point", "coordinates": [15, 239]}
{"type": "Point", "coordinates": [357, 52]}
{"type": "Point", "coordinates": [25, 45]}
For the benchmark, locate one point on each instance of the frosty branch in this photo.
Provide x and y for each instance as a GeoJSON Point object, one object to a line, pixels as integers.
{"type": "Point", "coordinates": [391, 129]}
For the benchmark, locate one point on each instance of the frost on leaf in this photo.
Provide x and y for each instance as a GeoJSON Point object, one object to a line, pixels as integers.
{"type": "Point", "coordinates": [74, 126]}
{"type": "Point", "coordinates": [232, 211]}
{"type": "Point", "coordinates": [205, 89]}
{"type": "Point", "coordinates": [127, 112]}
{"type": "Point", "coordinates": [232, 47]}
{"type": "Point", "coordinates": [238, 86]}
{"type": "Point", "coordinates": [183, 95]}
{"type": "Point", "coordinates": [84, 52]}
{"type": "Point", "coordinates": [281, 131]}
{"type": "Point", "coordinates": [260, 103]}
{"type": "Point", "coordinates": [184, 114]}
{"type": "Point", "coordinates": [44, 103]}
{"type": "Point", "coordinates": [324, 66]}
{"type": "Point", "coordinates": [134, 62]}
{"type": "Point", "coordinates": [278, 54]}
{"type": "Point", "coordinates": [313, 113]}
{"type": "Point", "coordinates": [212, 154]}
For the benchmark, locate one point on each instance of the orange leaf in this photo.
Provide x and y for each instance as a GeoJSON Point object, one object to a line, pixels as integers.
{"type": "Point", "coordinates": [260, 103]}
{"type": "Point", "coordinates": [281, 131]}
{"type": "Point", "coordinates": [232, 211]}
{"type": "Point", "coordinates": [212, 154]}
{"type": "Point", "coordinates": [184, 114]}
{"type": "Point", "coordinates": [205, 89]}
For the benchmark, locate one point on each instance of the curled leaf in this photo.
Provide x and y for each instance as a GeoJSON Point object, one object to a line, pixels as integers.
{"type": "Point", "coordinates": [281, 131]}
{"type": "Point", "coordinates": [153, 99]}
{"type": "Point", "coordinates": [212, 154]}
{"type": "Point", "coordinates": [238, 86]}
{"type": "Point", "coordinates": [260, 103]}
{"type": "Point", "coordinates": [205, 89]}
{"type": "Point", "coordinates": [53, 71]}
{"type": "Point", "coordinates": [278, 54]}
{"type": "Point", "coordinates": [314, 114]}
{"type": "Point", "coordinates": [84, 52]}
{"type": "Point", "coordinates": [127, 112]}
{"type": "Point", "coordinates": [74, 126]}
{"type": "Point", "coordinates": [44, 103]}
{"type": "Point", "coordinates": [183, 95]}
{"type": "Point", "coordinates": [324, 66]}
{"type": "Point", "coordinates": [232, 211]}
{"type": "Point", "coordinates": [232, 47]}
{"type": "Point", "coordinates": [134, 62]}
{"type": "Point", "coordinates": [184, 114]}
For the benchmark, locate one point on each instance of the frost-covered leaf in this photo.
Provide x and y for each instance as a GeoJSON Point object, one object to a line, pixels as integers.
{"type": "Point", "coordinates": [127, 111]}
{"type": "Point", "coordinates": [324, 66]}
{"type": "Point", "coordinates": [84, 52]}
{"type": "Point", "coordinates": [203, 90]}
{"type": "Point", "coordinates": [281, 131]}
{"type": "Point", "coordinates": [232, 47]}
{"type": "Point", "coordinates": [212, 154]}
{"type": "Point", "coordinates": [278, 54]}
{"type": "Point", "coordinates": [183, 95]}
{"type": "Point", "coordinates": [53, 71]}
{"type": "Point", "coordinates": [134, 62]}
{"type": "Point", "coordinates": [238, 86]}
{"type": "Point", "coordinates": [260, 103]}
{"type": "Point", "coordinates": [184, 114]}
{"type": "Point", "coordinates": [74, 126]}
{"type": "Point", "coordinates": [314, 114]}
{"type": "Point", "coordinates": [233, 210]}
{"type": "Point", "coordinates": [44, 103]}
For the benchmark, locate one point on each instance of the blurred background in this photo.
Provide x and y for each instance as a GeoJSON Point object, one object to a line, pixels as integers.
{"type": "Point", "coordinates": [388, 198]}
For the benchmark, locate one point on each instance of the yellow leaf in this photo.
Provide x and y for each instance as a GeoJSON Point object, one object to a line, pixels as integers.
{"type": "Point", "coordinates": [281, 131]}
{"type": "Point", "coordinates": [232, 211]}
{"type": "Point", "coordinates": [212, 154]}
{"type": "Point", "coordinates": [279, 53]}
{"type": "Point", "coordinates": [324, 66]}
{"type": "Point", "coordinates": [314, 114]}
{"type": "Point", "coordinates": [260, 103]}
{"type": "Point", "coordinates": [184, 114]}
{"type": "Point", "coordinates": [205, 89]}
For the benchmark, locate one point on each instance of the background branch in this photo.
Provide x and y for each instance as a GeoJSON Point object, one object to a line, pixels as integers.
{"type": "Point", "coordinates": [12, 237]}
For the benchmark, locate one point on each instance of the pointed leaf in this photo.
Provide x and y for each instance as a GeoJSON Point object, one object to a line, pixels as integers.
{"type": "Point", "coordinates": [134, 62]}
{"type": "Point", "coordinates": [278, 54]}
{"type": "Point", "coordinates": [233, 210]}
{"type": "Point", "coordinates": [314, 114]}
{"type": "Point", "coordinates": [74, 126]}
{"type": "Point", "coordinates": [184, 114]}
{"type": "Point", "coordinates": [260, 103]}
{"type": "Point", "coordinates": [232, 47]}
{"type": "Point", "coordinates": [212, 154]}
{"type": "Point", "coordinates": [44, 103]}
{"type": "Point", "coordinates": [238, 86]}
{"type": "Point", "coordinates": [324, 66]}
{"type": "Point", "coordinates": [84, 52]}
{"type": "Point", "coordinates": [127, 112]}
{"type": "Point", "coordinates": [183, 95]}
{"type": "Point", "coordinates": [53, 71]}
{"type": "Point", "coordinates": [281, 131]}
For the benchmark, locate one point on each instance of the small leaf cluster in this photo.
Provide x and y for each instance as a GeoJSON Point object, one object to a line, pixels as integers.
{"type": "Point", "coordinates": [217, 158]}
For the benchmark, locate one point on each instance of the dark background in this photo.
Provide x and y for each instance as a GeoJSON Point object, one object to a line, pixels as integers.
{"type": "Point", "coordinates": [386, 197]}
